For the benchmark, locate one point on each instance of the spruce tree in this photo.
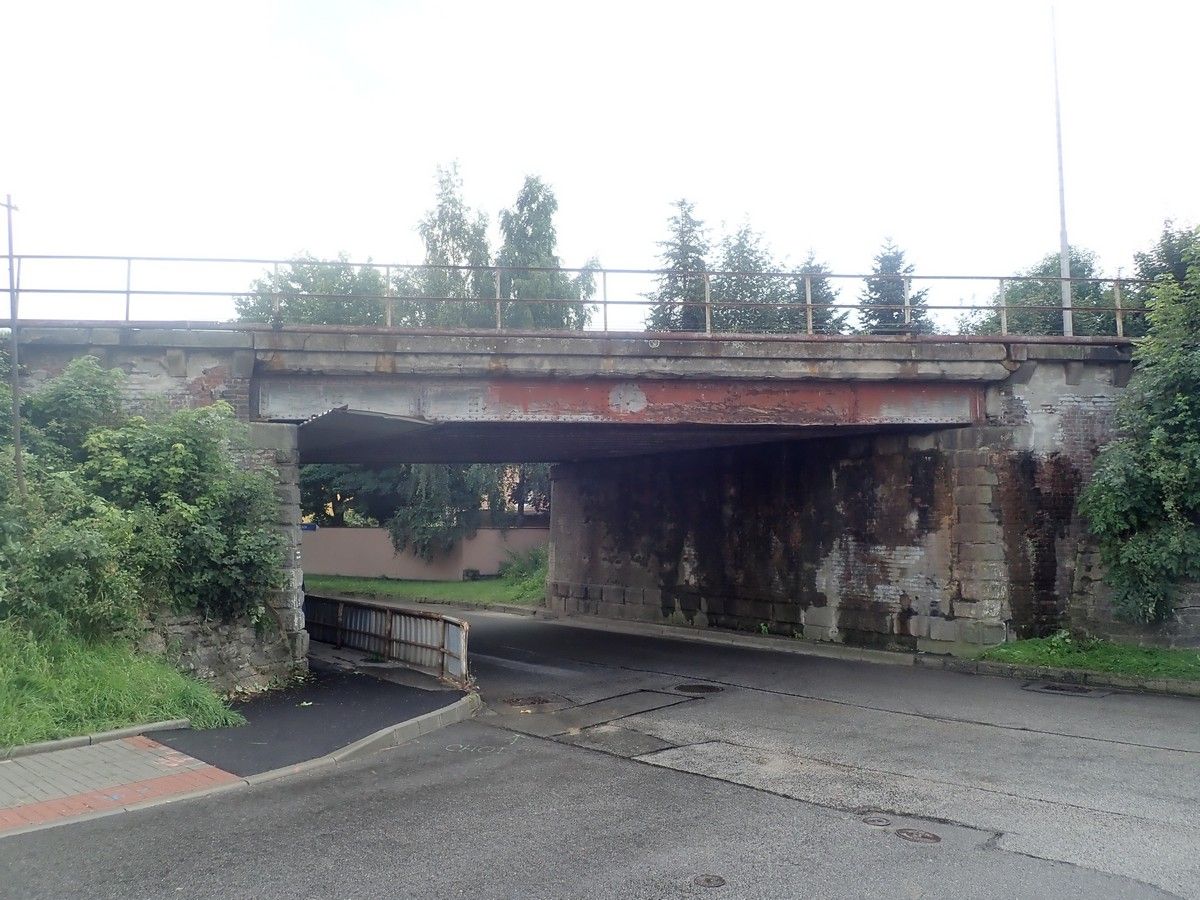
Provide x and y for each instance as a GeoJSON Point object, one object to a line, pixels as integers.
{"type": "Point", "coordinates": [684, 259]}
{"type": "Point", "coordinates": [881, 304]}
{"type": "Point", "coordinates": [826, 320]}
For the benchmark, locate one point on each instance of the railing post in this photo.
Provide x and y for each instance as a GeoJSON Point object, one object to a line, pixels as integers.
{"type": "Point", "coordinates": [276, 318]}
{"type": "Point", "coordinates": [907, 307]}
{"type": "Point", "coordinates": [1003, 307]}
{"type": "Point", "coordinates": [1117, 303]}
{"type": "Point", "coordinates": [604, 298]}
{"type": "Point", "coordinates": [808, 310]}
{"type": "Point", "coordinates": [707, 305]}
{"type": "Point", "coordinates": [499, 313]}
{"type": "Point", "coordinates": [128, 285]}
{"type": "Point", "coordinates": [387, 293]}
{"type": "Point", "coordinates": [338, 627]}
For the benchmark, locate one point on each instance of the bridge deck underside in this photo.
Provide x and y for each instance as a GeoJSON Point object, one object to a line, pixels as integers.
{"type": "Point", "coordinates": [351, 437]}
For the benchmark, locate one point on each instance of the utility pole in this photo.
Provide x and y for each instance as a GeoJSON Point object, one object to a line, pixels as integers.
{"type": "Point", "coordinates": [18, 461]}
{"type": "Point", "coordinates": [1064, 249]}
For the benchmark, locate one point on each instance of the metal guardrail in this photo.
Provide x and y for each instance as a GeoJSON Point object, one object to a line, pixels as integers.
{"type": "Point", "coordinates": [426, 641]}
{"type": "Point", "coordinates": [706, 292]}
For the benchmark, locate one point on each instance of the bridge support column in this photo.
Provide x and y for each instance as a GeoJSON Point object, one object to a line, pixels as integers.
{"type": "Point", "coordinates": [275, 446]}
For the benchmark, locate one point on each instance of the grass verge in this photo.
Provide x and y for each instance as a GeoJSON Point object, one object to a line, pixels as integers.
{"type": "Point", "coordinates": [1064, 652]}
{"type": "Point", "coordinates": [481, 593]}
{"type": "Point", "coordinates": [54, 688]}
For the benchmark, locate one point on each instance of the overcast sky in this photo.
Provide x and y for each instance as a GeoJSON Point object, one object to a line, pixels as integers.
{"type": "Point", "coordinates": [268, 128]}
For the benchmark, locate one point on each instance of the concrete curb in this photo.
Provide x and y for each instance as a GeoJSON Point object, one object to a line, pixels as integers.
{"type": "Point", "coordinates": [393, 735]}
{"type": "Point", "coordinates": [737, 639]}
{"type": "Point", "coordinates": [1167, 686]}
{"type": "Point", "coordinates": [84, 740]}
{"type": "Point", "coordinates": [1173, 687]}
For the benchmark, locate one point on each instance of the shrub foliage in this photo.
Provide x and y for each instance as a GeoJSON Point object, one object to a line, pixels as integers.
{"type": "Point", "coordinates": [125, 514]}
{"type": "Point", "coordinates": [1144, 502]}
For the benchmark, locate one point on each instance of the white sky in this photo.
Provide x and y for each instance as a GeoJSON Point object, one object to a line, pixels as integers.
{"type": "Point", "coordinates": [265, 129]}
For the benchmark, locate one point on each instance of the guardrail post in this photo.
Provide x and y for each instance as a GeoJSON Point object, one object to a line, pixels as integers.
{"type": "Point", "coordinates": [1117, 304]}
{"type": "Point", "coordinates": [128, 285]}
{"type": "Point", "coordinates": [1003, 307]}
{"type": "Point", "coordinates": [808, 310]}
{"type": "Point", "coordinates": [499, 313]}
{"type": "Point", "coordinates": [604, 298]}
{"type": "Point", "coordinates": [907, 303]}
{"type": "Point", "coordinates": [338, 627]}
{"type": "Point", "coordinates": [707, 305]}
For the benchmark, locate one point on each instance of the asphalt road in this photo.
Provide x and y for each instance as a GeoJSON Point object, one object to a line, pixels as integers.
{"type": "Point", "coordinates": [592, 775]}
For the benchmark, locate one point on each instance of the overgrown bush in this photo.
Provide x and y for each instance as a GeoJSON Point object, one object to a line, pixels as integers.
{"type": "Point", "coordinates": [1144, 502]}
{"type": "Point", "coordinates": [126, 514]}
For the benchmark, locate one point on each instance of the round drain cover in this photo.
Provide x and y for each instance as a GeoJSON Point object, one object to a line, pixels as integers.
{"type": "Point", "coordinates": [877, 821]}
{"type": "Point", "coordinates": [917, 836]}
{"type": "Point", "coordinates": [698, 688]}
{"type": "Point", "coordinates": [708, 881]}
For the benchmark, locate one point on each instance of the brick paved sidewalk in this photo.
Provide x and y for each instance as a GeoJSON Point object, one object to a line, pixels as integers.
{"type": "Point", "coordinates": [63, 784]}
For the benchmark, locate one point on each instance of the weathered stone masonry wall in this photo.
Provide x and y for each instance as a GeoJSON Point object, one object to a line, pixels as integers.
{"type": "Point", "coordinates": [939, 540]}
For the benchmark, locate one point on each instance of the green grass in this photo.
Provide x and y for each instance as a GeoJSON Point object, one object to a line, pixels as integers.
{"type": "Point", "coordinates": [1064, 652]}
{"type": "Point", "coordinates": [66, 686]}
{"type": "Point", "coordinates": [483, 593]}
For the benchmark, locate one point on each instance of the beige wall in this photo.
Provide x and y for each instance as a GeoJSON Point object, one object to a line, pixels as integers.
{"type": "Point", "coordinates": [368, 553]}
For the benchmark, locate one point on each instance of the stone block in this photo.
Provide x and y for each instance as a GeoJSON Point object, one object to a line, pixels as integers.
{"type": "Point", "coordinates": [820, 633]}
{"type": "Point", "coordinates": [820, 617]}
{"type": "Point", "coordinates": [944, 629]}
{"type": "Point", "coordinates": [176, 362]}
{"type": "Point", "coordinates": [612, 594]}
{"type": "Point", "coordinates": [967, 458]}
{"type": "Point", "coordinates": [273, 436]}
{"type": "Point", "coordinates": [298, 643]}
{"type": "Point", "coordinates": [288, 495]}
{"type": "Point", "coordinates": [973, 495]}
{"type": "Point", "coordinates": [984, 632]}
{"type": "Point", "coordinates": [916, 626]}
{"type": "Point", "coordinates": [980, 570]}
{"type": "Point", "coordinates": [971, 552]}
{"type": "Point", "coordinates": [786, 612]}
{"type": "Point", "coordinates": [974, 475]}
{"type": "Point", "coordinates": [651, 597]}
{"type": "Point", "coordinates": [983, 590]}
{"type": "Point", "coordinates": [976, 515]}
{"type": "Point", "coordinates": [975, 533]}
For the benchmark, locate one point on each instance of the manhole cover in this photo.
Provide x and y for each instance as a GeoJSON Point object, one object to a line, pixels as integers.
{"type": "Point", "coordinates": [708, 881]}
{"type": "Point", "coordinates": [877, 821]}
{"type": "Point", "coordinates": [917, 836]}
{"type": "Point", "coordinates": [698, 688]}
{"type": "Point", "coordinates": [1054, 687]}
{"type": "Point", "coordinates": [536, 700]}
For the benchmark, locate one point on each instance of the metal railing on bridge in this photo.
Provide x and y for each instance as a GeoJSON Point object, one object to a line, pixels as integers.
{"type": "Point", "coordinates": [208, 292]}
